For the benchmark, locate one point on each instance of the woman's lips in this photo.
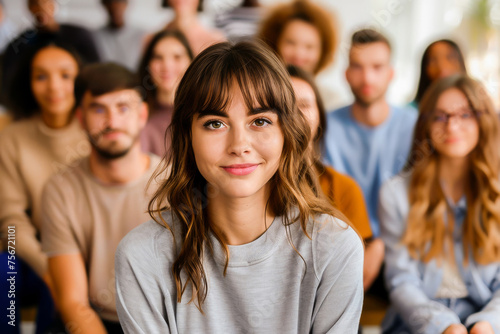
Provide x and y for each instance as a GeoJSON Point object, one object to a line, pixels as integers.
{"type": "Point", "coordinates": [242, 169]}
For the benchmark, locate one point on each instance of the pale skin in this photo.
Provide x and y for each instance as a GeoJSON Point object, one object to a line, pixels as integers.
{"type": "Point", "coordinates": [454, 141]}
{"type": "Point", "coordinates": [186, 20]}
{"type": "Point", "coordinates": [374, 250]}
{"type": "Point", "coordinates": [300, 45]}
{"type": "Point", "coordinates": [369, 74]}
{"type": "Point", "coordinates": [222, 144]}
{"type": "Point", "coordinates": [169, 62]}
{"type": "Point", "coordinates": [125, 114]}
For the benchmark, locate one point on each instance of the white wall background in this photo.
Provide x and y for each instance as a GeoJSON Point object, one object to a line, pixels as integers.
{"type": "Point", "coordinates": [409, 24]}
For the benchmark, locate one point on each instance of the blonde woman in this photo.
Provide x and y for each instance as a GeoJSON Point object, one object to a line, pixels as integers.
{"type": "Point", "coordinates": [440, 218]}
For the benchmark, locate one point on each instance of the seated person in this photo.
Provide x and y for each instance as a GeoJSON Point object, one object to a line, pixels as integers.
{"type": "Point", "coordinates": [88, 208]}
{"type": "Point", "coordinates": [118, 41]}
{"type": "Point", "coordinates": [241, 237]}
{"type": "Point", "coordinates": [44, 138]}
{"type": "Point", "coordinates": [46, 28]}
{"type": "Point", "coordinates": [369, 139]}
{"type": "Point", "coordinates": [186, 20]}
{"type": "Point", "coordinates": [163, 64]}
{"type": "Point", "coordinates": [440, 217]}
{"type": "Point", "coordinates": [342, 191]}
{"type": "Point", "coordinates": [441, 59]}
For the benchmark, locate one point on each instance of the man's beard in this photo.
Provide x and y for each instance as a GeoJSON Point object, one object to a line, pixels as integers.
{"type": "Point", "coordinates": [110, 153]}
{"type": "Point", "coordinates": [366, 102]}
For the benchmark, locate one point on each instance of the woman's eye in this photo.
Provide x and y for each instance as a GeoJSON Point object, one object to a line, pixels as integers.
{"type": "Point", "coordinates": [214, 125]}
{"type": "Point", "coordinates": [261, 122]}
{"type": "Point", "coordinates": [40, 77]}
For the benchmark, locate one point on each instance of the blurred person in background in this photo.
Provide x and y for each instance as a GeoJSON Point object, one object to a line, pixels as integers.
{"type": "Point", "coordinates": [46, 28]}
{"type": "Point", "coordinates": [440, 217]}
{"type": "Point", "coordinates": [342, 191]}
{"type": "Point", "coordinates": [89, 207]}
{"type": "Point", "coordinates": [369, 139]}
{"type": "Point", "coordinates": [44, 138]}
{"type": "Point", "coordinates": [240, 22]}
{"type": "Point", "coordinates": [186, 20]}
{"type": "Point", "coordinates": [118, 41]}
{"type": "Point", "coordinates": [304, 34]}
{"type": "Point", "coordinates": [165, 60]}
{"type": "Point", "coordinates": [441, 59]}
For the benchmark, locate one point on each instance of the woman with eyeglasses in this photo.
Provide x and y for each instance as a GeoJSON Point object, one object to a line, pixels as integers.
{"type": "Point", "coordinates": [440, 218]}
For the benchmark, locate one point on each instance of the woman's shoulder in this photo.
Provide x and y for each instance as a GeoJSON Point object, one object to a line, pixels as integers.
{"type": "Point", "coordinates": [150, 239]}
{"type": "Point", "coordinates": [334, 242]}
{"type": "Point", "coordinates": [13, 129]}
{"type": "Point", "coordinates": [396, 187]}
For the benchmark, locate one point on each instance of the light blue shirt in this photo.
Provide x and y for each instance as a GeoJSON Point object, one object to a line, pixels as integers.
{"type": "Point", "coordinates": [413, 284]}
{"type": "Point", "coordinates": [371, 155]}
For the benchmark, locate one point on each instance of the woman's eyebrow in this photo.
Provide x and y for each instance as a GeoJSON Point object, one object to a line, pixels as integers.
{"type": "Point", "coordinates": [218, 113]}
{"type": "Point", "coordinates": [255, 111]}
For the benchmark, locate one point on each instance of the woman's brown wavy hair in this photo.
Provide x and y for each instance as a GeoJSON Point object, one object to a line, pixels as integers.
{"type": "Point", "coordinates": [427, 229]}
{"type": "Point", "coordinates": [206, 86]}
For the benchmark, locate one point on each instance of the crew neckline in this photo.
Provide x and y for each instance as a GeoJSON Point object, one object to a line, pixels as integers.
{"type": "Point", "coordinates": [253, 252]}
{"type": "Point", "coordinates": [59, 132]}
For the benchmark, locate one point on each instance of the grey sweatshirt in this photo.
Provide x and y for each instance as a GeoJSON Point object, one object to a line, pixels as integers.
{"type": "Point", "coordinates": [268, 288]}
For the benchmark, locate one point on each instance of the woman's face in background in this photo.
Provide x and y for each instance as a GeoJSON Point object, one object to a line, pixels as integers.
{"type": "Point", "coordinates": [442, 62]}
{"type": "Point", "coordinates": [53, 73]}
{"type": "Point", "coordinates": [300, 45]}
{"type": "Point", "coordinates": [306, 101]}
{"type": "Point", "coordinates": [454, 131]}
{"type": "Point", "coordinates": [168, 63]}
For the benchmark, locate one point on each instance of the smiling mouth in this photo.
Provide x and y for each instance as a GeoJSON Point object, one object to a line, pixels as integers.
{"type": "Point", "coordinates": [243, 169]}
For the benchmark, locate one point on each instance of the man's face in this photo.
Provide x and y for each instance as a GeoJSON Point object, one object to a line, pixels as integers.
{"type": "Point", "coordinates": [369, 72]}
{"type": "Point", "coordinates": [113, 121]}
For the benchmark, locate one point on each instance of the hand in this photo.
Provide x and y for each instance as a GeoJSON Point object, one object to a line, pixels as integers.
{"type": "Point", "coordinates": [455, 329]}
{"type": "Point", "coordinates": [482, 327]}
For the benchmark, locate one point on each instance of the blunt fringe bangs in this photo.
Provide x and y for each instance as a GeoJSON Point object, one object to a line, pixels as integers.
{"type": "Point", "coordinates": [182, 192]}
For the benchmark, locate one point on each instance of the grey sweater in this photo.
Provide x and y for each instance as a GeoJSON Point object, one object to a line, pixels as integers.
{"type": "Point", "coordinates": [268, 288]}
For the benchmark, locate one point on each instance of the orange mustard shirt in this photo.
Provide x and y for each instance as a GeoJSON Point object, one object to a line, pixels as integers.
{"type": "Point", "coordinates": [346, 195]}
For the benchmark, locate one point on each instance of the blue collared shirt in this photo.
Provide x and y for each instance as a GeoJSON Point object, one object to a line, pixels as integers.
{"type": "Point", "coordinates": [371, 155]}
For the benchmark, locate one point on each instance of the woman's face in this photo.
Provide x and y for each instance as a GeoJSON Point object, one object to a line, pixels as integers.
{"type": "Point", "coordinates": [306, 101]}
{"type": "Point", "coordinates": [53, 73]}
{"type": "Point", "coordinates": [443, 61]}
{"type": "Point", "coordinates": [454, 130]}
{"type": "Point", "coordinates": [169, 62]}
{"type": "Point", "coordinates": [237, 152]}
{"type": "Point", "coordinates": [300, 45]}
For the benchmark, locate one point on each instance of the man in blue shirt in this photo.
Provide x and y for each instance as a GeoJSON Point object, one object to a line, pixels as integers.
{"type": "Point", "coordinates": [370, 139]}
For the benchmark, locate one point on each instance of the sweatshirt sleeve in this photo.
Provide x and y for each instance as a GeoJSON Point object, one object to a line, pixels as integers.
{"type": "Point", "coordinates": [419, 312]}
{"type": "Point", "coordinates": [14, 203]}
{"type": "Point", "coordinates": [491, 310]}
{"type": "Point", "coordinates": [338, 261]}
{"type": "Point", "coordinates": [140, 298]}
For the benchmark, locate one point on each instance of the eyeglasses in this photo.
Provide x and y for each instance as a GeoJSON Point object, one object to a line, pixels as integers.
{"type": "Point", "coordinates": [464, 116]}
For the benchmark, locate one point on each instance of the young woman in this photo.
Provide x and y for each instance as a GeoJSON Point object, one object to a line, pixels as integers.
{"type": "Point", "coordinates": [342, 191]}
{"type": "Point", "coordinates": [441, 59]}
{"type": "Point", "coordinates": [302, 33]}
{"type": "Point", "coordinates": [44, 138]}
{"type": "Point", "coordinates": [246, 242]}
{"type": "Point", "coordinates": [165, 60]}
{"type": "Point", "coordinates": [440, 219]}
{"type": "Point", "coordinates": [186, 20]}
